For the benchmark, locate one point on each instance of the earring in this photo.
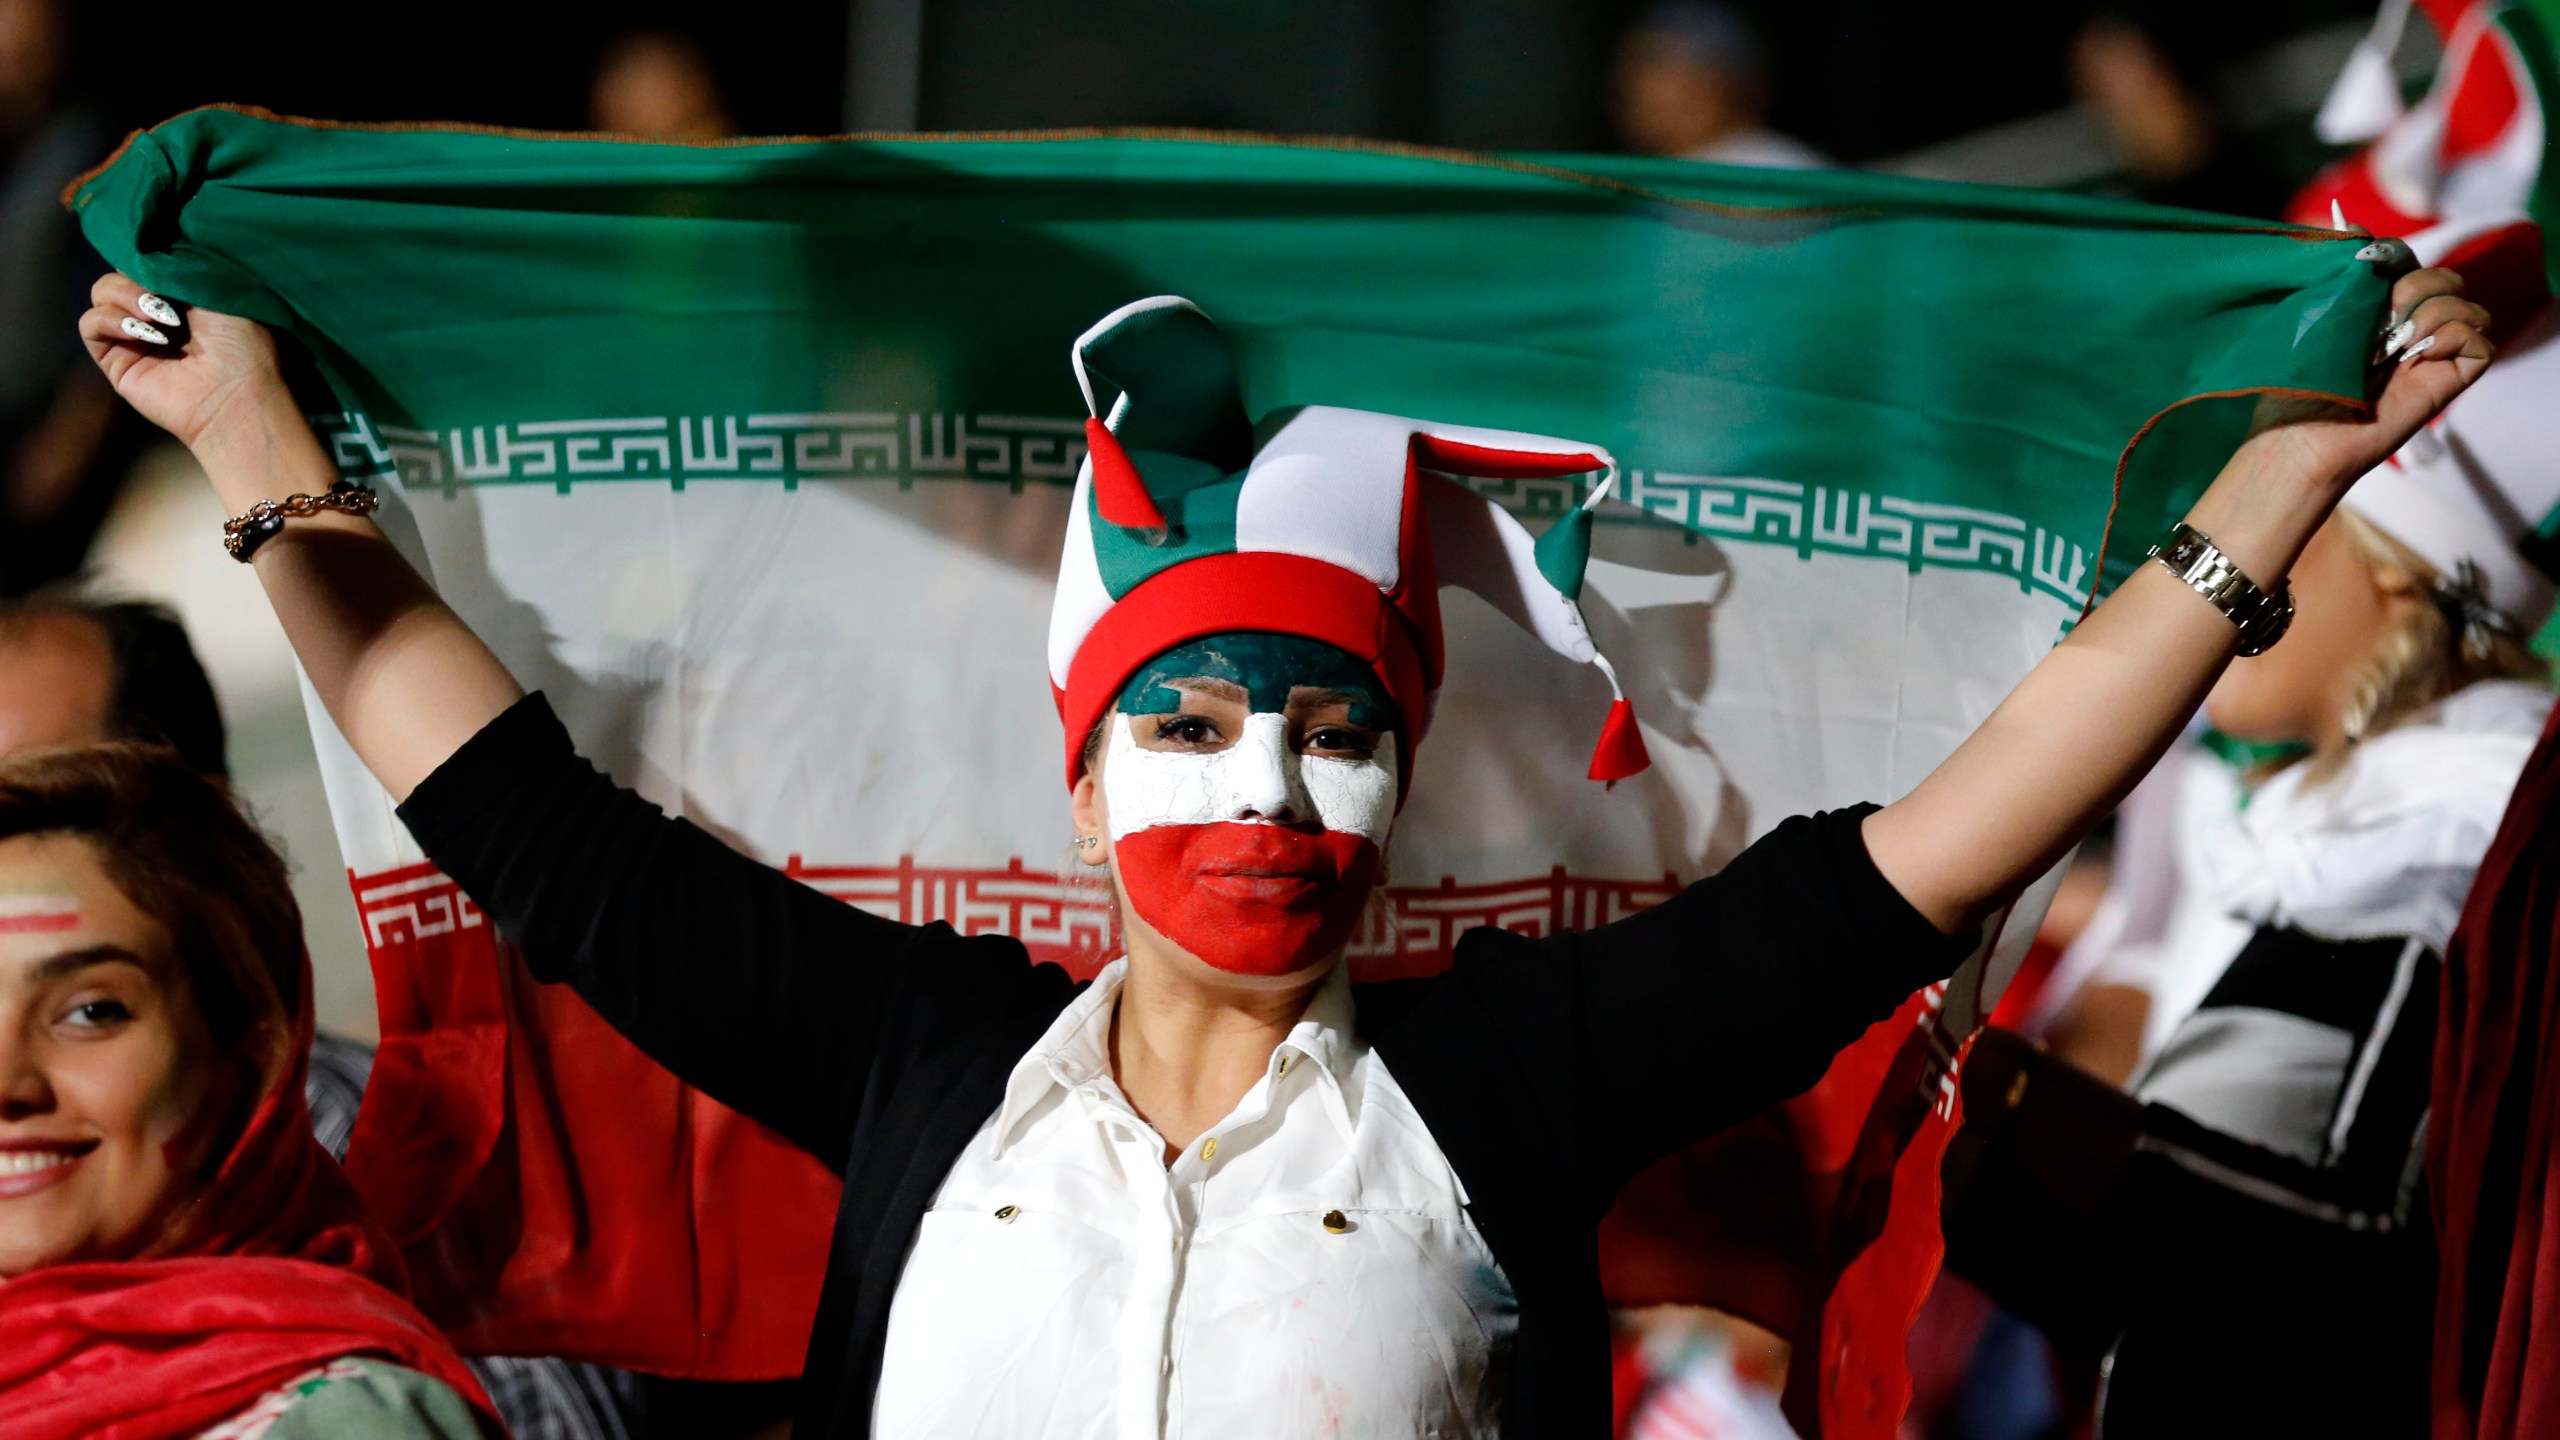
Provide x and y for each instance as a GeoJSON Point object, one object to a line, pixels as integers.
{"type": "Point", "coordinates": [1087, 842]}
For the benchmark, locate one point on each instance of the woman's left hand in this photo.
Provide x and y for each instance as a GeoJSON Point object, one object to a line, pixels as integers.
{"type": "Point", "coordinates": [2097, 711]}
{"type": "Point", "coordinates": [2434, 343]}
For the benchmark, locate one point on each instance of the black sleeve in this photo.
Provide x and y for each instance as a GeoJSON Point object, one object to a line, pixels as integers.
{"type": "Point", "coordinates": [767, 995]}
{"type": "Point", "coordinates": [1643, 1035]}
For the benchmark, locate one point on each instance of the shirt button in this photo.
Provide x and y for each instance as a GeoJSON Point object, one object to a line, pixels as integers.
{"type": "Point", "coordinates": [1335, 1223]}
{"type": "Point", "coordinates": [1006, 1213]}
{"type": "Point", "coordinates": [1209, 1148]}
{"type": "Point", "coordinates": [1284, 1063]}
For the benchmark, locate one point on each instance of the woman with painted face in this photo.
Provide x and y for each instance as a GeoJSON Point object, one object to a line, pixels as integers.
{"type": "Point", "coordinates": [1219, 1189]}
{"type": "Point", "coordinates": [178, 1256]}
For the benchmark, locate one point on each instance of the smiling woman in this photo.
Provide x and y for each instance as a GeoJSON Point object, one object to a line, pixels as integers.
{"type": "Point", "coordinates": [175, 1249]}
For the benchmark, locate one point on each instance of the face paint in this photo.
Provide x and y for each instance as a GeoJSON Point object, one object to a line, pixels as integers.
{"type": "Point", "coordinates": [1255, 858]}
{"type": "Point", "coordinates": [38, 911]}
{"type": "Point", "coordinates": [1268, 667]}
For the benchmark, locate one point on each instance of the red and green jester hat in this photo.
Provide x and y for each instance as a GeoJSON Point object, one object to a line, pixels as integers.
{"type": "Point", "coordinates": [1192, 523]}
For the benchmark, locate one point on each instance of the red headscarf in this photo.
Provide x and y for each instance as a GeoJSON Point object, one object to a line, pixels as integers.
{"type": "Point", "coordinates": [275, 1269]}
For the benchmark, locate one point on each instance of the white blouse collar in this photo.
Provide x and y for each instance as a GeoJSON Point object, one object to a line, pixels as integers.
{"type": "Point", "coordinates": [1074, 1054]}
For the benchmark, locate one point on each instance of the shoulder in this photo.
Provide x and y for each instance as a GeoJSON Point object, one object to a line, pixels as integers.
{"type": "Point", "coordinates": [354, 1399]}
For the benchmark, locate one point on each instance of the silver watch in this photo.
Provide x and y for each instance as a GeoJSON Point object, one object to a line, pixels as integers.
{"type": "Point", "coordinates": [2261, 616]}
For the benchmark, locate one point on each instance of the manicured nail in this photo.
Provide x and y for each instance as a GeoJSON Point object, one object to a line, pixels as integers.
{"type": "Point", "coordinates": [157, 308]}
{"type": "Point", "coordinates": [2421, 348]}
{"type": "Point", "coordinates": [2398, 337]}
{"type": "Point", "coordinates": [2393, 255]}
{"type": "Point", "coordinates": [144, 330]}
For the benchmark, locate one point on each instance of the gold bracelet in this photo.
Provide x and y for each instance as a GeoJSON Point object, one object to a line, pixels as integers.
{"type": "Point", "coordinates": [243, 534]}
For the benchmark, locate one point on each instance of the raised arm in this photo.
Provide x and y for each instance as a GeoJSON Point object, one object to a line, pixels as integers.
{"type": "Point", "coordinates": [767, 995]}
{"type": "Point", "coordinates": [404, 678]}
{"type": "Point", "coordinates": [2093, 716]}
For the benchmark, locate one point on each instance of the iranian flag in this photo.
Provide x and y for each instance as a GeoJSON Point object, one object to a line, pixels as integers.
{"type": "Point", "coordinates": [756, 457]}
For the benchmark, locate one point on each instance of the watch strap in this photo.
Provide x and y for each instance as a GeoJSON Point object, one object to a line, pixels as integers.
{"type": "Point", "coordinates": [2260, 615]}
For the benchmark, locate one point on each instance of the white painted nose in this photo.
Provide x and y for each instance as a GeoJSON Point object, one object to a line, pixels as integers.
{"type": "Point", "coordinates": [1263, 781]}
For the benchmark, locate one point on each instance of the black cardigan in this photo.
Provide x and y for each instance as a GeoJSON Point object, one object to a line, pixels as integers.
{"type": "Point", "coordinates": [1549, 1070]}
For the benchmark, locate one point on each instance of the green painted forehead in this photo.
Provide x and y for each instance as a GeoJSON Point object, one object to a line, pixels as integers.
{"type": "Point", "coordinates": [1268, 666]}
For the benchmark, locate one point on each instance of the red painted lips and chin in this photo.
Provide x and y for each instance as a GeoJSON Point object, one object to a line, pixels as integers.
{"type": "Point", "coordinates": [1249, 899]}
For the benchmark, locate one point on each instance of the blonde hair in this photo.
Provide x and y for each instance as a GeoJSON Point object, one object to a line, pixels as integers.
{"type": "Point", "coordinates": [2426, 657]}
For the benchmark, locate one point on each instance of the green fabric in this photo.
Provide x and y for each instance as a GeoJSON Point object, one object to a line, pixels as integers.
{"type": "Point", "coordinates": [2534, 26]}
{"type": "Point", "coordinates": [377, 1401]}
{"type": "Point", "coordinates": [1564, 552]}
{"type": "Point", "coordinates": [1199, 504]}
{"type": "Point", "coordinates": [1991, 350]}
{"type": "Point", "coordinates": [1180, 375]}
{"type": "Point", "coordinates": [2246, 756]}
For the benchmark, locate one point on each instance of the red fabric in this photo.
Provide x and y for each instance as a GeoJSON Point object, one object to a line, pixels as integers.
{"type": "Point", "coordinates": [1621, 751]}
{"type": "Point", "coordinates": [1119, 492]}
{"type": "Point", "coordinates": [2503, 269]}
{"type": "Point", "coordinates": [1253, 590]}
{"type": "Point", "coordinates": [277, 1268]}
{"type": "Point", "coordinates": [1457, 457]}
{"type": "Point", "coordinates": [2493, 1132]}
{"type": "Point", "coordinates": [1818, 1220]}
{"type": "Point", "coordinates": [2446, 14]}
{"type": "Point", "coordinates": [2486, 99]}
{"type": "Point", "coordinates": [1628, 1378]}
{"type": "Point", "coordinates": [702, 1253]}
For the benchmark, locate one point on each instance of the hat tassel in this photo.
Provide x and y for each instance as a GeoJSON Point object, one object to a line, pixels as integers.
{"type": "Point", "coordinates": [1621, 751]}
{"type": "Point", "coordinates": [1118, 491]}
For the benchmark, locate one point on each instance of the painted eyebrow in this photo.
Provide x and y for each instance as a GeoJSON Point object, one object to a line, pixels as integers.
{"type": "Point", "coordinates": [1206, 684]}
{"type": "Point", "coordinates": [1327, 695]}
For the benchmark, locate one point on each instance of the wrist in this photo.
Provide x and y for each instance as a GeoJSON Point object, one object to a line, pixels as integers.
{"type": "Point", "coordinates": [262, 450]}
{"type": "Point", "coordinates": [2261, 512]}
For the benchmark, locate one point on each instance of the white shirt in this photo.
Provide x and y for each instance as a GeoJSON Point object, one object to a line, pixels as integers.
{"type": "Point", "coordinates": [2388, 845]}
{"type": "Point", "coordinates": [1306, 1267]}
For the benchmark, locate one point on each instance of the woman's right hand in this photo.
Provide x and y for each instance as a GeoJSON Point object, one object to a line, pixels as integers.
{"type": "Point", "coordinates": [405, 679]}
{"type": "Point", "coordinates": [213, 376]}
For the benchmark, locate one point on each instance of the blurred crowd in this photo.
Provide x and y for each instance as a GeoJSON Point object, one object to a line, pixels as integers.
{"type": "Point", "coordinates": [2177, 967]}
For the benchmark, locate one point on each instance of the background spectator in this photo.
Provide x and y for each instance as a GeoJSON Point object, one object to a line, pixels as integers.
{"type": "Point", "coordinates": [1693, 83]}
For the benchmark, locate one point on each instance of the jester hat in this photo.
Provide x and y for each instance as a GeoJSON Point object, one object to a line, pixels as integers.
{"type": "Point", "coordinates": [1332, 524]}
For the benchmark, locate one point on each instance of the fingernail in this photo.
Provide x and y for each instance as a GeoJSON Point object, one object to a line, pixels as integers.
{"type": "Point", "coordinates": [157, 308]}
{"type": "Point", "coordinates": [2399, 336]}
{"type": "Point", "coordinates": [2421, 348]}
{"type": "Point", "coordinates": [144, 330]}
{"type": "Point", "coordinates": [2394, 256]}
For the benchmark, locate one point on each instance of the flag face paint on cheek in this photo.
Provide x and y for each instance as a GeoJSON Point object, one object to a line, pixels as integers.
{"type": "Point", "coordinates": [1203, 860]}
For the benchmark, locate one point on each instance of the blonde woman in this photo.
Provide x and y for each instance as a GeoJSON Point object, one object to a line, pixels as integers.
{"type": "Point", "coordinates": [2267, 1250]}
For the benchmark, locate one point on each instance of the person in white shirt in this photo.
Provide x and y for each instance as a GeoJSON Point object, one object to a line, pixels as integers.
{"type": "Point", "coordinates": [1220, 1191]}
